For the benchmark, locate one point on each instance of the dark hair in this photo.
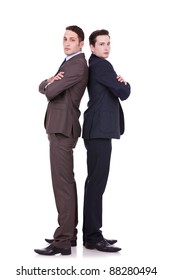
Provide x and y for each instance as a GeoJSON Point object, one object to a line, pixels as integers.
{"type": "Point", "coordinates": [77, 30]}
{"type": "Point", "coordinates": [92, 37]}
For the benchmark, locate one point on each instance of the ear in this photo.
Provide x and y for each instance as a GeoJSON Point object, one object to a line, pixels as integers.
{"type": "Point", "coordinates": [92, 48]}
{"type": "Point", "coordinates": [81, 44]}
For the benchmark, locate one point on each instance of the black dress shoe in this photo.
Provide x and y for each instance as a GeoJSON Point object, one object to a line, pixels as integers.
{"type": "Point", "coordinates": [52, 250]}
{"type": "Point", "coordinates": [110, 241]}
{"type": "Point", "coordinates": [103, 246]}
{"type": "Point", "coordinates": [72, 242]}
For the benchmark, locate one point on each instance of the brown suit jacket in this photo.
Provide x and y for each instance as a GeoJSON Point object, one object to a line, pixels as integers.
{"type": "Point", "coordinates": [62, 115]}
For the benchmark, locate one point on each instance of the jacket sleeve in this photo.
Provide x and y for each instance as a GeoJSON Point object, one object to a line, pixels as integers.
{"type": "Point", "coordinates": [106, 75]}
{"type": "Point", "coordinates": [71, 77]}
{"type": "Point", "coordinates": [42, 86]}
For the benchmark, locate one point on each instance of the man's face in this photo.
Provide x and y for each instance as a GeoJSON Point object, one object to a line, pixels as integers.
{"type": "Point", "coordinates": [102, 46]}
{"type": "Point", "coordinates": [71, 43]}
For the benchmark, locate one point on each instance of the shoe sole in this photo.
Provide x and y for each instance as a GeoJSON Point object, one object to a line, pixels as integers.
{"type": "Point", "coordinates": [64, 253]}
{"type": "Point", "coordinates": [92, 247]}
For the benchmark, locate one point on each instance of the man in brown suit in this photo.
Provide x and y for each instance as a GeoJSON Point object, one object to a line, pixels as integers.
{"type": "Point", "coordinates": [64, 92]}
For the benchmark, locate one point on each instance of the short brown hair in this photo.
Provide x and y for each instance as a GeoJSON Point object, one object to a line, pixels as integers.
{"type": "Point", "coordinates": [77, 30]}
{"type": "Point", "coordinates": [94, 34]}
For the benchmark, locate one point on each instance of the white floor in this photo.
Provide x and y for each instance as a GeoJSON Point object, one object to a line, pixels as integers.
{"type": "Point", "coordinates": [137, 212]}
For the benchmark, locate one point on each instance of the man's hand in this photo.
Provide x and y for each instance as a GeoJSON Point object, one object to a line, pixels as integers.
{"type": "Point", "coordinates": [121, 80]}
{"type": "Point", "coordinates": [59, 76]}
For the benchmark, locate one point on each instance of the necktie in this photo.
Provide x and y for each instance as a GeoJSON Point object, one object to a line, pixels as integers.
{"type": "Point", "coordinates": [63, 62]}
{"type": "Point", "coordinates": [60, 66]}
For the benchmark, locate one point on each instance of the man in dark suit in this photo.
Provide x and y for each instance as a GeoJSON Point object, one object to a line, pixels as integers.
{"type": "Point", "coordinates": [103, 120]}
{"type": "Point", "coordinates": [64, 92]}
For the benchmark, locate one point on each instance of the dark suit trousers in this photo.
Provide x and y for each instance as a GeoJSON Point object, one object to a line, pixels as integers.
{"type": "Point", "coordinates": [98, 163]}
{"type": "Point", "coordinates": [64, 186]}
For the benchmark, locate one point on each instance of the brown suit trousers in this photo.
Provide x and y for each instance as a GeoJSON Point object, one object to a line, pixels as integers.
{"type": "Point", "coordinates": [63, 127]}
{"type": "Point", "coordinates": [64, 187]}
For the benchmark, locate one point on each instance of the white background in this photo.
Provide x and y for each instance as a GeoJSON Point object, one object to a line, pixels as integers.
{"type": "Point", "coordinates": [138, 200]}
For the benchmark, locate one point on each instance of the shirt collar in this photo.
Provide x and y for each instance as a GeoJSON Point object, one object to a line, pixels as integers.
{"type": "Point", "coordinates": [74, 54]}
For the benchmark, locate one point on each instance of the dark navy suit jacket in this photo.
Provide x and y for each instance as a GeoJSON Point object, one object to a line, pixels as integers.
{"type": "Point", "coordinates": [104, 117]}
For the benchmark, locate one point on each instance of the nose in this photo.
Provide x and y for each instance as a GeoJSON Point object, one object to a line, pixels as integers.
{"type": "Point", "coordinates": [67, 43]}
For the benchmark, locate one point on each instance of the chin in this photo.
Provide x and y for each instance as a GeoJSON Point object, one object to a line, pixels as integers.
{"type": "Point", "coordinates": [67, 52]}
{"type": "Point", "coordinates": [104, 56]}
